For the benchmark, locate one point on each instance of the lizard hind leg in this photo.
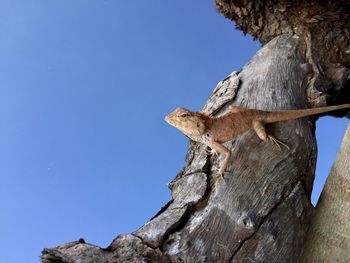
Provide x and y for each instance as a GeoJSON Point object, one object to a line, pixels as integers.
{"type": "Point", "coordinates": [260, 130]}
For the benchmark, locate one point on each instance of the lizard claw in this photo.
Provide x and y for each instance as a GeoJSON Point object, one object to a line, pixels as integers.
{"type": "Point", "coordinates": [277, 142]}
{"type": "Point", "coordinates": [219, 173]}
{"type": "Point", "coordinates": [211, 152]}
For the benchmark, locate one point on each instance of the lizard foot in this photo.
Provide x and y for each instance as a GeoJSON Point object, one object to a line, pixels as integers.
{"type": "Point", "coordinates": [277, 142]}
{"type": "Point", "coordinates": [218, 173]}
{"type": "Point", "coordinates": [211, 152]}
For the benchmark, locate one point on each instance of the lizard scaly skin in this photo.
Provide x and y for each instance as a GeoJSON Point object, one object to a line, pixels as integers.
{"type": "Point", "coordinates": [214, 131]}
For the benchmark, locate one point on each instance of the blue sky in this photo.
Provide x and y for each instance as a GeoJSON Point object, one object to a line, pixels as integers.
{"type": "Point", "coordinates": [84, 88]}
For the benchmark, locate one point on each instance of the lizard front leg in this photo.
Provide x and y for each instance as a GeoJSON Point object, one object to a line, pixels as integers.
{"type": "Point", "coordinates": [221, 149]}
{"type": "Point", "coordinates": [260, 130]}
{"type": "Point", "coordinates": [210, 151]}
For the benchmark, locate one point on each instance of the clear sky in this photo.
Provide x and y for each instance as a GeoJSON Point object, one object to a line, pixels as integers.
{"type": "Point", "coordinates": [84, 87]}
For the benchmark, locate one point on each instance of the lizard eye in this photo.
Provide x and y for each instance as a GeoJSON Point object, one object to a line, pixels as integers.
{"type": "Point", "coordinates": [184, 115]}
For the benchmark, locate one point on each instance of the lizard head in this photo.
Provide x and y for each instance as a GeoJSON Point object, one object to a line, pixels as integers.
{"type": "Point", "coordinates": [190, 123]}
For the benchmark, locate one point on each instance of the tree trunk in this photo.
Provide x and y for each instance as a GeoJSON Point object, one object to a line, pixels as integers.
{"type": "Point", "coordinates": [261, 210]}
{"type": "Point", "coordinates": [329, 236]}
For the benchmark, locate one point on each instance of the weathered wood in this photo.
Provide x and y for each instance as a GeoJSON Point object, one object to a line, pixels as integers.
{"type": "Point", "coordinates": [329, 236]}
{"type": "Point", "coordinates": [327, 21]}
{"type": "Point", "coordinates": [245, 216]}
{"type": "Point", "coordinates": [260, 210]}
{"type": "Point", "coordinates": [324, 27]}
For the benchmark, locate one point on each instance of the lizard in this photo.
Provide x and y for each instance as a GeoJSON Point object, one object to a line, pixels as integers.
{"type": "Point", "coordinates": [214, 131]}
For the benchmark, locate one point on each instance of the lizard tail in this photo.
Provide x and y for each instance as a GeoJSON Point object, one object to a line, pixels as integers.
{"type": "Point", "coordinates": [284, 115]}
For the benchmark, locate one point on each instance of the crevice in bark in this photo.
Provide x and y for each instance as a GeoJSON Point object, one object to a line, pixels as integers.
{"type": "Point", "coordinates": [165, 207]}
{"type": "Point", "coordinates": [143, 241]}
{"type": "Point", "coordinates": [284, 197]}
{"type": "Point", "coordinates": [182, 222]}
{"type": "Point", "coordinates": [206, 217]}
{"type": "Point", "coordinates": [224, 94]}
{"type": "Point", "coordinates": [191, 208]}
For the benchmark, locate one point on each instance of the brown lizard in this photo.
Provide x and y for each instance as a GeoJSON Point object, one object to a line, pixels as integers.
{"type": "Point", "coordinates": [214, 131]}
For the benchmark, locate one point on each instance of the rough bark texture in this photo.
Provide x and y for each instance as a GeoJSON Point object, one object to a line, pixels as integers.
{"type": "Point", "coordinates": [324, 26]}
{"type": "Point", "coordinates": [266, 19]}
{"type": "Point", "coordinates": [261, 210]}
{"type": "Point", "coordinates": [329, 236]}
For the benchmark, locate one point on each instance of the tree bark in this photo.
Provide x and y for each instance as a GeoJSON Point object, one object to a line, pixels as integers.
{"type": "Point", "coordinates": [260, 211]}
{"type": "Point", "coordinates": [329, 236]}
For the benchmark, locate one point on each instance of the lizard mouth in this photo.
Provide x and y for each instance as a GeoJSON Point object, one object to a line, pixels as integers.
{"type": "Point", "coordinates": [168, 119]}
{"type": "Point", "coordinates": [171, 120]}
